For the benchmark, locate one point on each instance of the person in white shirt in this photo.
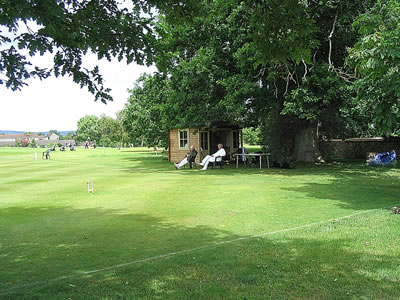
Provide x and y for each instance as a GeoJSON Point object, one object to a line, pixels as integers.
{"type": "Point", "coordinates": [217, 156]}
{"type": "Point", "coordinates": [242, 150]}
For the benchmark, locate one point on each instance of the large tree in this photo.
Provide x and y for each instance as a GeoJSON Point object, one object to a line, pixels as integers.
{"type": "Point", "coordinates": [242, 63]}
{"type": "Point", "coordinates": [87, 129]}
{"type": "Point", "coordinates": [68, 29]}
{"type": "Point", "coordinates": [314, 99]}
{"type": "Point", "coordinates": [110, 131]}
{"type": "Point", "coordinates": [142, 116]}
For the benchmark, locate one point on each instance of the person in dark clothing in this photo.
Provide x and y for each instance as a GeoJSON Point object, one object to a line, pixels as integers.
{"type": "Point", "coordinates": [189, 158]}
{"type": "Point", "coordinates": [46, 154]}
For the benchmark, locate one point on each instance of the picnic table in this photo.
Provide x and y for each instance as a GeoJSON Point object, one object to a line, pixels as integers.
{"type": "Point", "coordinates": [260, 155]}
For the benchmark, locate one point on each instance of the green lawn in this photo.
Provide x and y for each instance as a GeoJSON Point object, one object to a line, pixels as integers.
{"type": "Point", "coordinates": [150, 231]}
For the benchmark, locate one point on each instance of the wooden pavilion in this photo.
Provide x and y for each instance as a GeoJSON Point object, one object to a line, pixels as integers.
{"type": "Point", "coordinates": [205, 139]}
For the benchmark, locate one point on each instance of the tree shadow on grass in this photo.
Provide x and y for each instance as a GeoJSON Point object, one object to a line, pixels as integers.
{"type": "Point", "coordinates": [353, 193]}
{"type": "Point", "coordinates": [150, 164]}
{"type": "Point", "coordinates": [42, 243]}
{"type": "Point", "coordinates": [331, 261]}
{"type": "Point", "coordinates": [353, 185]}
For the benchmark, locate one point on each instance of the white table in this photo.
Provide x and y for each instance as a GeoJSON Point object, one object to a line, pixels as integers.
{"type": "Point", "coordinates": [260, 155]}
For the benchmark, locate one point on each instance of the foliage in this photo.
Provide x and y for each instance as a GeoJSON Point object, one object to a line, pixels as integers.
{"type": "Point", "coordinates": [24, 142]}
{"type": "Point", "coordinates": [110, 131]}
{"type": "Point", "coordinates": [376, 58]}
{"type": "Point", "coordinates": [69, 29]}
{"type": "Point", "coordinates": [18, 143]}
{"type": "Point", "coordinates": [281, 31]}
{"type": "Point", "coordinates": [198, 57]}
{"type": "Point", "coordinates": [142, 117]}
{"type": "Point", "coordinates": [251, 136]}
{"type": "Point", "coordinates": [277, 134]}
{"type": "Point", "coordinates": [105, 131]}
{"type": "Point", "coordinates": [33, 144]}
{"type": "Point", "coordinates": [68, 136]}
{"type": "Point", "coordinates": [87, 129]}
{"type": "Point", "coordinates": [239, 64]}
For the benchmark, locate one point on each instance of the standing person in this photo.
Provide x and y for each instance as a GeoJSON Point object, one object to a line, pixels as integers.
{"type": "Point", "coordinates": [87, 145]}
{"type": "Point", "coordinates": [211, 158]}
{"type": "Point", "coordinates": [242, 150]}
{"type": "Point", "coordinates": [189, 158]}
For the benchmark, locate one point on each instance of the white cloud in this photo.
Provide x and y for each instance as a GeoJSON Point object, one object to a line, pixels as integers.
{"type": "Point", "coordinates": [58, 103]}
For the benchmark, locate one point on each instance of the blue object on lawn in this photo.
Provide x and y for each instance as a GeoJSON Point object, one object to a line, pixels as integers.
{"type": "Point", "coordinates": [384, 159]}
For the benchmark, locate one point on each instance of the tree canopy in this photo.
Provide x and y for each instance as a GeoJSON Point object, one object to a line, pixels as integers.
{"type": "Point", "coordinates": [242, 63]}
{"type": "Point", "coordinates": [87, 129]}
{"type": "Point", "coordinates": [326, 68]}
{"type": "Point", "coordinates": [69, 29]}
{"type": "Point", "coordinates": [142, 117]}
{"type": "Point", "coordinates": [376, 59]}
{"type": "Point", "coordinates": [105, 131]}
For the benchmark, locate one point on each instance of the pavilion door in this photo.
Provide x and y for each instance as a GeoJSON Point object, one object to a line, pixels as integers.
{"type": "Point", "coordinates": [220, 136]}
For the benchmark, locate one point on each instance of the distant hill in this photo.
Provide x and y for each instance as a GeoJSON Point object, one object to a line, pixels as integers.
{"type": "Point", "coordinates": [21, 132]}
{"type": "Point", "coordinates": [10, 132]}
{"type": "Point", "coordinates": [65, 132]}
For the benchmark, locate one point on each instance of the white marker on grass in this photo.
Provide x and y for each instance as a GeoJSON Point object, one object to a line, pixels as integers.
{"type": "Point", "coordinates": [35, 156]}
{"type": "Point", "coordinates": [90, 186]}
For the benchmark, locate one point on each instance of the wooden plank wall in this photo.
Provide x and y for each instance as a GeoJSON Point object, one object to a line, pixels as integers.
{"type": "Point", "coordinates": [176, 154]}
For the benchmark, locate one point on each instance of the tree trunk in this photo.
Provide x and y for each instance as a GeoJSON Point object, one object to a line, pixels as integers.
{"type": "Point", "coordinates": [306, 146]}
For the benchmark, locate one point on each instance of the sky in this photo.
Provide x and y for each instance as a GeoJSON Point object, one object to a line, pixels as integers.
{"type": "Point", "coordinates": [58, 103]}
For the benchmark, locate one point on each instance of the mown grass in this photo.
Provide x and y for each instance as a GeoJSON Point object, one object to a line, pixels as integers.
{"type": "Point", "coordinates": [53, 233]}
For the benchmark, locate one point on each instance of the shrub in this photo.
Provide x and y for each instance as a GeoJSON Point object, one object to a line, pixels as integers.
{"type": "Point", "coordinates": [33, 144]}
{"type": "Point", "coordinates": [25, 143]}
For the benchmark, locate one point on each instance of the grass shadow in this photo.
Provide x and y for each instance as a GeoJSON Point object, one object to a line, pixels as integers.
{"type": "Point", "coordinates": [339, 260]}
{"type": "Point", "coordinates": [353, 185]}
{"type": "Point", "coordinates": [42, 243]}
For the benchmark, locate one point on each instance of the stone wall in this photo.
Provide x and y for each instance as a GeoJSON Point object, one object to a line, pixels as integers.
{"type": "Point", "coordinates": [358, 148]}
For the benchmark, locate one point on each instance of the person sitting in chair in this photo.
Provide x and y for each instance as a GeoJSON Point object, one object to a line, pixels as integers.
{"type": "Point", "coordinates": [217, 156]}
{"type": "Point", "coordinates": [189, 158]}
